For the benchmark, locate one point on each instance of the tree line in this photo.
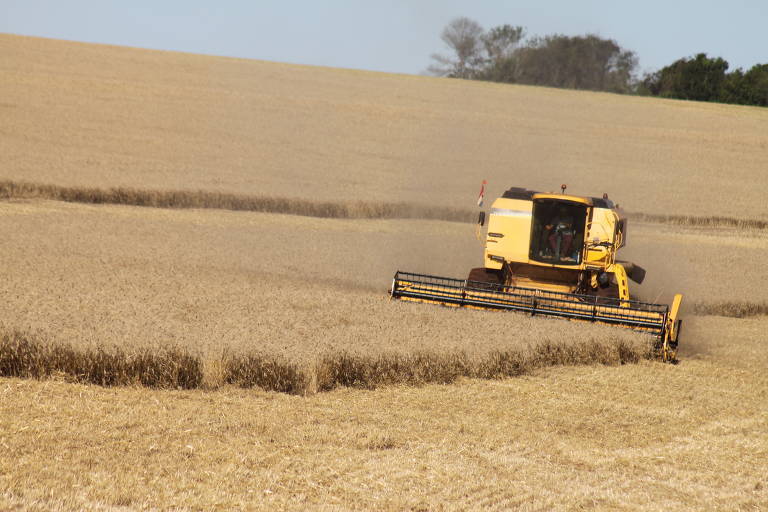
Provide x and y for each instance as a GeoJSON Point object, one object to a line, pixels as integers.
{"type": "Point", "coordinates": [502, 54]}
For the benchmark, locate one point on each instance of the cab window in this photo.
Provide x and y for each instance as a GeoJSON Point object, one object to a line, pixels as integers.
{"type": "Point", "coordinates": [557, 232]}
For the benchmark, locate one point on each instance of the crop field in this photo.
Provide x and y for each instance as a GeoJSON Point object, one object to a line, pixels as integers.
{"type": "Point", "coordinates": [99, 116]}
{"type": "Point", "coordinates": [209, 284]}
{"type": "Point", "coordinates": [193, 309]}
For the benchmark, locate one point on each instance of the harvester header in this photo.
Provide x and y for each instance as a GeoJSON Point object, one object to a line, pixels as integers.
{"type": "Point", "coordinates": [553, 255]}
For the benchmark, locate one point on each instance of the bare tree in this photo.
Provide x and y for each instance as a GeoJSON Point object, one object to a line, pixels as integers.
{"type": "Point", "coordinates": [464, 37]}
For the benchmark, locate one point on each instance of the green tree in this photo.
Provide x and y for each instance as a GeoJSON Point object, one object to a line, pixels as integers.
{"type": "Point", "coordinates": [579, 62]}
{"type": "Point", "coordinates": [756, 85]}
{"type": "Point", "coordinates": [699, 78]}
{"type": "Point", "coordinates": [734, 88]}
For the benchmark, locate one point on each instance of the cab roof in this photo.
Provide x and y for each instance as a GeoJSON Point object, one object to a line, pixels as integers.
{"type": "Point", "coordinates": [530, 195]}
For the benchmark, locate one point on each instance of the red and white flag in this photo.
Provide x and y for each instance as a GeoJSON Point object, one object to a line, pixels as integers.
{"type": "Point", "coordinates": [482, 194]}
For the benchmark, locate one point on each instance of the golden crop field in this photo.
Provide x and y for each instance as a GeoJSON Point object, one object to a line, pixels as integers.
{"type": "Point", "coordinates": [389, 405]}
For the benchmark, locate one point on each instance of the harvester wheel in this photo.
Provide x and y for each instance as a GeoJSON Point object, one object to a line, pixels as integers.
{"type": "Point", "coordinates": [490, 279]}
{"type": "Point", "coordinates": [668, 354]}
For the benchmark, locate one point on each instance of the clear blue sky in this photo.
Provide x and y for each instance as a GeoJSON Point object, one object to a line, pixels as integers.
{"type": "Point", "coordinates": [396, 35]}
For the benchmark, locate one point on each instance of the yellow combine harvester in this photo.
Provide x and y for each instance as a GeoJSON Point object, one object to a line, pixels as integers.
{"type": "Point", "coordinates": [554, 255]}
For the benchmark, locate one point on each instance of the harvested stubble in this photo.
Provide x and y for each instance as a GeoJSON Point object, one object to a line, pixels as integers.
{"type": "Point", "coordinates": [688, 437]}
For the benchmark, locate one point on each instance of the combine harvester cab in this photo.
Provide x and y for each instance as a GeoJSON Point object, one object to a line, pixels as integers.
{"type": "Point", "coordinates": [553, 255]}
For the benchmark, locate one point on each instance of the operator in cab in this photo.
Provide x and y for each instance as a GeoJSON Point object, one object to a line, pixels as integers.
{"type": "Point", "coordinates": [561, 234]}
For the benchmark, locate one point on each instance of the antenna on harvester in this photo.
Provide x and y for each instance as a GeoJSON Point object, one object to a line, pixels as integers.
{"type": "Point", "coordinates": [481, 216]}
